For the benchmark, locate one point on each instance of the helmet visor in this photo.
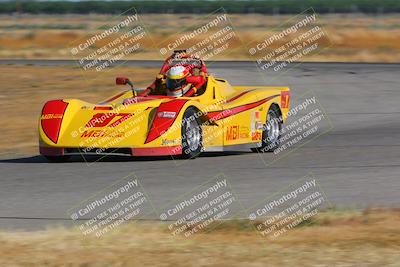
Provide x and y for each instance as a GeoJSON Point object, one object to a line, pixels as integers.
{"type": "Point", "coordinates": [174, 84]}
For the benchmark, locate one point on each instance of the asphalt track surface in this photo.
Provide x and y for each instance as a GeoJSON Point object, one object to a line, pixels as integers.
{"type": "Point", "coordinates": [357, 162]}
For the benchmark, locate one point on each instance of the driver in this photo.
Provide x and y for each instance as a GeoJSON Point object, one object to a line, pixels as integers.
{"type": "Point", "coordinates": [179, 82]}
{"type": "Point", "coordinates": [158, 87]}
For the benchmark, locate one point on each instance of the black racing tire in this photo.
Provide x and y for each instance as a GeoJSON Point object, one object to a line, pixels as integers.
{"type": "Point", "coordinates": [57, 159]}
{"type": "Point", "coordinates": [192, 139]}
{"type": "Point", "coordinates": [271, 136]}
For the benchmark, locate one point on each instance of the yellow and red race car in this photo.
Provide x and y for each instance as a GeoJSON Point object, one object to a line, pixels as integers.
{"type": "Point", "coordinates": [218, 117]}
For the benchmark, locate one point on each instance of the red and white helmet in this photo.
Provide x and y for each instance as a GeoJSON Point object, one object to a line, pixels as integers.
{"type": "Point", "coordinates": [176, 78]}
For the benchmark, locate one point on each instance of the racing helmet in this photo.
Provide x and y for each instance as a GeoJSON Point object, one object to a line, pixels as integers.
{"type": "Point", "coordinates": [176, 77]}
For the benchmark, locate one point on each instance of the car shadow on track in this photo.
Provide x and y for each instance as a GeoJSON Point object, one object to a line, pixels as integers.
{"type": "Point", "coordinates": [116, 158]}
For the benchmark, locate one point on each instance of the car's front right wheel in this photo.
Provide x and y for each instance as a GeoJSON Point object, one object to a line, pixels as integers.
{"type": "Point", "coordinates": [191, 134]}
{"type": "Point", "coordinates": [271, 134]}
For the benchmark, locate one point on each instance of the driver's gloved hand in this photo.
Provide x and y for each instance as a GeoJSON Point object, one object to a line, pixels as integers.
{"type": "Point", "coordinates": [160, 80]}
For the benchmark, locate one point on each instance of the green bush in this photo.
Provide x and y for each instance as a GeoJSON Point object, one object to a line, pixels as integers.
{"type": "Point", "coordinates": [264, 7]}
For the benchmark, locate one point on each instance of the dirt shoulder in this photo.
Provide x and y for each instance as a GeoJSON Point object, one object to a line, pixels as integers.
{"type": "Point", "coordinates": [353, 37]}
{"type": "Point", "coordinates": [369, 238]}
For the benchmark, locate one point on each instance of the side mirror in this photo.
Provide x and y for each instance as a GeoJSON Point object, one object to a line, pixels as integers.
{"type": "Point", "coordinates": [122, 81]}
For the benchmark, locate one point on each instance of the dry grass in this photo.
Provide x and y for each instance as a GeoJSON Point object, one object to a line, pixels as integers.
{"type": "Point", "coordinates": [355, 239]}
{"type": "Point", "coordinates": [353, 37]}
{"type": "Point", "coordinates": [24, 90]}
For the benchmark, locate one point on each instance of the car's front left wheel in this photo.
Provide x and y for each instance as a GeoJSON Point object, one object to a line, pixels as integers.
{"type": "Point", "coordinates": [191, 134]}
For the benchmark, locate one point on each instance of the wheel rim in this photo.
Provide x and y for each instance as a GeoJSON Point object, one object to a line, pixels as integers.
{"type": "Point", "coordinates": [273, 128]}
{"type": "Point", "coordinates": [193, 135]}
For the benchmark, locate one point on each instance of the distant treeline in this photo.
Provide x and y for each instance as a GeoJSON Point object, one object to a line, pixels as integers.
{"type": "Point", "coordinates": [264, 7]}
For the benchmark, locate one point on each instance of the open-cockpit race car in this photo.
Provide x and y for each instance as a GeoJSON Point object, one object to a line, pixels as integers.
{"type": "Point", "coordinates": [184, 112]}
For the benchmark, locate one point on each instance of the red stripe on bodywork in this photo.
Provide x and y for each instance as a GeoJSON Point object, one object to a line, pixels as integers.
{"type": "Point", "coordinates": [239, 95]}
{"type": "Point", "coordinates": [161, 125]}
{"type": "Point", "coordinates": [219, 115]}
{"type": "Point", "coordinates": [51, 119]}
{"type": "Point", "coordinates": [102, 108]}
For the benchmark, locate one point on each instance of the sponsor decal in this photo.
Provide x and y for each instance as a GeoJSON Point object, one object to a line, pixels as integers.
{"type": "Point", "coordinates": [232, 133]}
{"type": "Point", "coordinates": [256, 136]}
{"type": "Point", "coordinates": [167, 114]}
{"type": "Point", "coordinates": [123, 118]}
{"type": "Point", "coordinates": [285, 97]}
{"type": "Point", "coordinates": [101, 133]}
{"type": "Point", "coordinates": [50, 116]}
{"type": "Point", "coordinates": [252, 124]}
{"type": "Point", "coordinates": [166, 142]}
{"type": "Point", "coordinates": [244, 132]}
{"type": "Point", "coordinates": [104, 119]}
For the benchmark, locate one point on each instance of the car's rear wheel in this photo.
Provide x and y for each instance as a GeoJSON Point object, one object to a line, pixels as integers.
{"type": "Point", "coordinates": [191, 134]}
{"type": "Point", "coordinates": [57, 159]}
{"type": "Point", "coordinates": [271, 132]}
